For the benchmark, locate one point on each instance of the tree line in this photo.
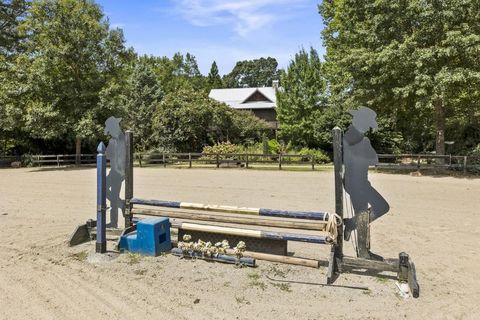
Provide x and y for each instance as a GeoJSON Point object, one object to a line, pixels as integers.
{"type": "Point", "coordinates": [64, 70]}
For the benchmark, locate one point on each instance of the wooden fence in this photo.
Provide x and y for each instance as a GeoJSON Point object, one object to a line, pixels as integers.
{"type": "Point", "coordinates": [428, 162]}
{"type": "Point", "coordinates": [226, 159]}
{"type": "Point", "coordinates": [60, 159]}
{"type": "Point", "coordinates": [387, 161]}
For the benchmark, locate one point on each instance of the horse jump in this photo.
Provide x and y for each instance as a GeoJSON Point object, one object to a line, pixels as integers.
{"type": "Point", "coordinates": [267, 241]}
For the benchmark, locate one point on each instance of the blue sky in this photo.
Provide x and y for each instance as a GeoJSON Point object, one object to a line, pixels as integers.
{"type": "Point", "coordinates": [222, 30]}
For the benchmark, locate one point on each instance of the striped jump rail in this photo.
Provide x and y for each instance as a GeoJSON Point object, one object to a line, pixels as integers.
{"type": "Point", "coordinates": [310, 215]}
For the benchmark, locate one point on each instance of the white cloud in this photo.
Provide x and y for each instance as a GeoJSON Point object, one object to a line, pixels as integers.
{"type": "Point", "coordinates": [245, 16]}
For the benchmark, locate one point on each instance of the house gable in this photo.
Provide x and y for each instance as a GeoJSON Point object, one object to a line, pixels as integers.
{"type": "Point", "coordinates": [256, 96]}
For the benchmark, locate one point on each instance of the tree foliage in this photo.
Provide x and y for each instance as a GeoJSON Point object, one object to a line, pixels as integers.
{"type": "Point", "coordinates": [141, 96]}
{"type": "Point", "coordinates": [188, 120]}
{"type": "Point", "coordinates": [302, 98]}
{"type": "Point", "coordinates": [179, 72]}
{"type": "Point", "coordinates": [11, 14]}
{"type": "Point", "coordinates": [252, 73]}
{"type": "Point", "coordinates": [415, 62]}
{"type": "Point", "coordinates": [70, 54]}
{"type": "Point", "coordinates": [213, 79]}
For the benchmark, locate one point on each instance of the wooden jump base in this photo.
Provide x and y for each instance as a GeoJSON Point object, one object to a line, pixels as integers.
{"type": "Point", "coordinates": [331, 224]}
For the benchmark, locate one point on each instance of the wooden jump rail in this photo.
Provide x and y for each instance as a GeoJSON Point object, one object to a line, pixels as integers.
{"type": "Point", "coordinates": [232, 209]}
{"type": "Point", "coordinates": [329, 223]}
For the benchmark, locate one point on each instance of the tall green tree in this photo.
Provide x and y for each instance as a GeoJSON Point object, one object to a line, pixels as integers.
{"type": "Point", "coordinates": [11, 14]}
{"type": "Point", "coordinates": [252, 73]}
{"type": "Point", "coordinates": [213, 79]}
{"type": "Point", "coordinates": [70, 54]}
{"type": "Point", "coordinates": [141, 96]}
{"type": "Point", "coordinates": [302, 99]}
{"type": "Point", "coordinates": [415, 62]}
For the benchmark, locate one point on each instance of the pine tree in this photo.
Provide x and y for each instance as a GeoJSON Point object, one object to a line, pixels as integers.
{"type": "Point", "coordinates": [214, 80]}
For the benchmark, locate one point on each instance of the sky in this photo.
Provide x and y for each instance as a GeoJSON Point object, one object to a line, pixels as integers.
{"type": "Point", "coordinates": [225, 31]}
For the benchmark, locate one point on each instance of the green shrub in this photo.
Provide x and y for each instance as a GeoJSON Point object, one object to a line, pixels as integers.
{"type": "Point", "coordinates": [274, 147]}
{"type": "Point", "coordinates": [222, 148]}
{"type": "Point", "coordinates": [318, 155]}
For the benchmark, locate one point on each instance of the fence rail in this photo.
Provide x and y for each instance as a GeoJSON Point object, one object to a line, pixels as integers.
{"type": "Point", "coordinates": [62, 159]}
{"type": "Point", "coordinates": [230, 159]}
{"type": "Point", "coordinates": [247, 160]}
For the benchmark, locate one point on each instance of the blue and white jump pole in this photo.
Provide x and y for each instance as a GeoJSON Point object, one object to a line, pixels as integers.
{"type": "Point", "coordinates": [101, 244]}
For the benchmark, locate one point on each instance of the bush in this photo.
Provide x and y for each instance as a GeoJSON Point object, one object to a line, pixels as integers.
{"type": "Point", "coordinates": [274, 147]}
{"type": "Point", "coordinates": [318, 155]}
{"type": "Point", "coordinates": [222, 148]}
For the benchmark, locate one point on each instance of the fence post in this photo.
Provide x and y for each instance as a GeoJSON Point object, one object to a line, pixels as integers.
{"type": "Point", "coordinates": [189, 160]}
{"type": "Point", "coordinates": [313, 162]}
{"type": "Point", "coordinates": [280, 161]}
{"type": "Point", "coordinates": [336, 253]}
{"type": "Point", "coordinates": [418, 163]}
{"type": "Point", "coordinates": [101, 243]}
{"type": "Point", "coordinates": [163, 160]}
{"type": "Point", "coordinates": [58, 160]}
{"type": "Point", "coordinates": [465, 164]}
{"type": "Point", "coordinates": [218, 161]}
{"type": "Point", "coordinates": [128, 177]}
{"type": "Point", "coordinates": [246, 160]}
{"type": "Point", "coordinates": [78, 150]}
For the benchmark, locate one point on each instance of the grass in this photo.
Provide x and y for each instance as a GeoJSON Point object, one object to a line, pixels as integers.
{"type": "Point", "coordinates": [381, 280]}
{"type": "Point", "coordinates": [278, 272]}
{"type": "Point", "coordinates": [255, 281]}
{"type": "Point", "coordinates": [140, 272]}
{"type": "Point", "coordinates": [253, 276]}
{"type": "Point", "coordinates": [283, 286]}
{"type": "Point", "coordinates": [80, 256]}
{"type": "Point", "coordinates": [242, 300]}
{"type": "Point", "coordinates": [133, 258]}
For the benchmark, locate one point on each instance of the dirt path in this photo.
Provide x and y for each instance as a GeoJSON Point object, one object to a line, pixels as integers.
{"type": "Point", "coordinates": [435, 220]}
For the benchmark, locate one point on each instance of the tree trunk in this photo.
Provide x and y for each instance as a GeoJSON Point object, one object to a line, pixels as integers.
{"type": "Point", "coordinates": [78, 151]}
{"type": "Point", "coordinates": [440, 128]}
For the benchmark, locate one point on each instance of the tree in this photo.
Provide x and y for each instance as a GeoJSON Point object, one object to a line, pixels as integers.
{"type": "Point", "coordinates": [252, 73]}
{"type": "Point", "coordinates": [70, 55]}
{"type": "Point", "coordinates": [214, 80]}
{"type": "Point", "coordinates": [140, 98]}
{"type": "Point", "coordinates": [414, 62]}
{"type": "Point", "coordinates": [187, 121]}
{"type": "Point", "coordinates": [180, 72]}
{"type": "Point", "coordinates": [302, 99]}
{"type": "Point", "coordinates": [11, 14]}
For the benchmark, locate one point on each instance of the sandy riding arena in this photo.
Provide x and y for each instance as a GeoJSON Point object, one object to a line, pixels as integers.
{"type": "Point", "coordinates": [434, 219]}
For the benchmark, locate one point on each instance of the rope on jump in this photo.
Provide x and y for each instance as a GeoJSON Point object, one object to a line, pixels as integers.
{"type": "Point", "coordinates": [333, 222]}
